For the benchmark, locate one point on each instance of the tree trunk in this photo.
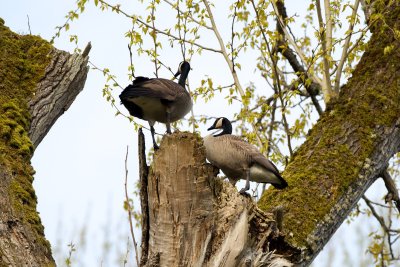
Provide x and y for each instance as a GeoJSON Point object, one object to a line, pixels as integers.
{"type": "Point", "coordinates": [197, 220]}
{"type": "Point", "coordinates": [37, 84]}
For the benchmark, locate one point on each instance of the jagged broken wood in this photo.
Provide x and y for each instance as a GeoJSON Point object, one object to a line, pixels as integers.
{"type": "Point", "coordinates": [64, 79]}
{"type": "Point", "coordinates": [196, 219]}
{"type": "Point", "coordinates": [143, 176]}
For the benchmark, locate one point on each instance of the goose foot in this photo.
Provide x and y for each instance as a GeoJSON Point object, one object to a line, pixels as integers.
{"type": "Point", "coordinates": [244, 192]}
{"type": "Point", "coordinates": [247, 186]}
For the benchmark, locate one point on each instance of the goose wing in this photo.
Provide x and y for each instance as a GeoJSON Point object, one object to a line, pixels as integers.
{"type": "Point", "coordinates": [255, 156]}
{"type": "Point", "coordinates": [155, 88]}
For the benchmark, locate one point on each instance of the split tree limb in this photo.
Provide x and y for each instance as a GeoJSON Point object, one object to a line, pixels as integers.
{"type": "Point", "coordinates": [144, 202]}
{"type": "Point", "coordinates": [64, 79]}
{"type": "Point", "coordinates": [196, 219]}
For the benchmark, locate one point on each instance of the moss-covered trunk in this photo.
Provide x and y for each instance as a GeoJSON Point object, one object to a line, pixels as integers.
{"type": "Point", "coordinates": [37, 84]}
{"type": "Point", "coordinates": [349, 146]}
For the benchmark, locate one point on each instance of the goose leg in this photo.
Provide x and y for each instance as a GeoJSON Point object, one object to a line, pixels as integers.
{"type": "Point", "coordinates": [155, 146]}
{"type": "Point", "coordinates": [247, 186]}
{"type": "Point", "coordinates": [168, 123]}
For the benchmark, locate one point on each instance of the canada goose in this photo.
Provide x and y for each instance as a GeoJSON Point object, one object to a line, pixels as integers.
{"type": "Point", "coordinates": [158, 99]}
{"type": "Point", "coordinates": [239, 159]}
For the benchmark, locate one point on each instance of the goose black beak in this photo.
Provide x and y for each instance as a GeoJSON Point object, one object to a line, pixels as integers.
{"type": "Point", "coordinates": [211, 128]}
{"type": "Point", "coordinates": [177, 74]}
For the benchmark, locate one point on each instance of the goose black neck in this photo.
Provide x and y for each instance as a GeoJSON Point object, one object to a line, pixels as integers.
{"type": "Point", "coordinates": [183, 77]}
{"type": "Point", "coordinates": [226, 128]}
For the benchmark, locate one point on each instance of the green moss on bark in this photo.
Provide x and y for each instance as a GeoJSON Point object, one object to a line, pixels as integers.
{"type": "Point", "coordinates": [343, 140]}
{"type": "Point", "coordinates": [23, 59]}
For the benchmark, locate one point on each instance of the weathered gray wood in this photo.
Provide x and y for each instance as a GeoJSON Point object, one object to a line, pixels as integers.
{"type": "Point", "coordinates": [64, 79]}
{"type": "Point", "coordinates": [144, 202]}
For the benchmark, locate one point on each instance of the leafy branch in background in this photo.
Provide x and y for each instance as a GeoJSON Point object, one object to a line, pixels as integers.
{"type": "Point", "coordinates": [302, 74]}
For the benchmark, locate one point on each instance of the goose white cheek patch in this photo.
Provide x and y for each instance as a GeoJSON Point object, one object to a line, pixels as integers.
{"type": "Point", "coordinates": [216, 132]}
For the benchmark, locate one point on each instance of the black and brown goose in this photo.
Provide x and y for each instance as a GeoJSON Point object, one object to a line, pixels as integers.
{"type": "Point", "coordinates": [239, 159]}
{"type": "Point", "coordinates": [158, 99]}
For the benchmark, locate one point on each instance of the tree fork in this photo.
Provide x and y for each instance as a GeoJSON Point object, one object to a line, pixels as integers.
{"type": "Point", "coordinates": [37, 84]}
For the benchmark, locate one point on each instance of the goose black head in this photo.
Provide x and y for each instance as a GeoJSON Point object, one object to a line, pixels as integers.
{"type": "Point", "coordinates": [221, 123]}
{"type": "Point", "coordinates": [183, 70]}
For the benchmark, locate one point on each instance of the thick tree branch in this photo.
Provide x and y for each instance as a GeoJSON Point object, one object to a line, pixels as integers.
{"type": "Point", "coordinates": [393, 193]}
{"type": "Point", "coordinates": [347, 149]}
{"type": "Point", "coordinates": [63, 81]}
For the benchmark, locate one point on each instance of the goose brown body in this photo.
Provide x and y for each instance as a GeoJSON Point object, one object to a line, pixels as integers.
{"type": "Point", "coordinates": [238, 159]}
{"type": "Point", "coordinates": [153, 99]}
{"type": "Point", "coordinates": [158, 99]}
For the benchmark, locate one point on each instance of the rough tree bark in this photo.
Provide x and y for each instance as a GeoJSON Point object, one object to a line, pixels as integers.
{"type": "Point", "coordinates": [194, 219]}
{"type": "Point", "coordinates": [37, 84]}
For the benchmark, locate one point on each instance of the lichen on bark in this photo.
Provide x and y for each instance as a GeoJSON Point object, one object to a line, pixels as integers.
{"type": "Point", "coordinates": [23, 60]}
{"type": "Point", "coordinates": [341, 151]}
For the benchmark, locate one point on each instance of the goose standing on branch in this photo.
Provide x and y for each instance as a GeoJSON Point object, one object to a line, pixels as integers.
{"type": "Point", "coordinates": [239, 159]}
{"type": "Point", "coordinates": [158, 99]}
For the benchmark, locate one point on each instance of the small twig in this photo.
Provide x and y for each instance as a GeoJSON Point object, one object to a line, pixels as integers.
{"type": "Point", "coordinates": [393, 193]}
{"type": "Point", "coordinates": [190, 16]}
{"type": "Point", "coordinates": [154, 36]}
{"type": "Point", "coordinates": [59, 28]}
{"type": "Point", "coordinates": [72, 249]}
{"type": "Point", "coordinates": [183, 44]}
{"type": "Point", "coordinates": [327, 88]}
{"type": "Point", "coordinates": [129, 208]}
{"type": "Point", "coordinates": [29, 25]}
{"type": "Point", "coordinates": [276, 75]}
{"type": "Point", "coordinates": [233, 36]}
{"type": "Point", "coordinates": [312, 88]}
{"type": "Point", "coordinates": [375, 214]}
{"type": "Point", "coordinates": [131, 61]}
{"type": "Point", "coordinates": [230, 63]}
{"type": "Point", "coordinates": [345, 51]}
{"type": "Point", "coordinates": [141, 22]}
{"type": "Point", "coordinates": [131, 57]}
{"type": "Point", "coordinates": [389, 236]}
{"type": "Point", "coordinates": [293, 43]}
{"type": "Point", "coordinates": [127, 253]}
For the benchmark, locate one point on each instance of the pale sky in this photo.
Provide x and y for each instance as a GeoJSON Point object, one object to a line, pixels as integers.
{"type": "Point", "coordinates": [79, 165]}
